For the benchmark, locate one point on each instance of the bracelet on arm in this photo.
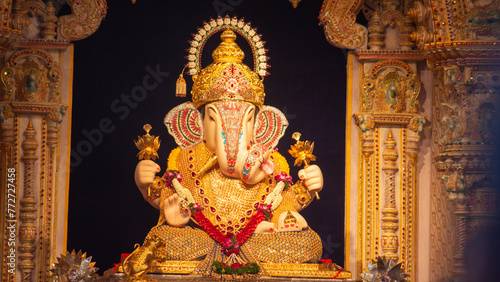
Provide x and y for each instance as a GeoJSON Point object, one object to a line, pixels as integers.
{"type": "Point", "coordinates": [302, 195]}
{"type": "Point", "coordinates": [154, 190]}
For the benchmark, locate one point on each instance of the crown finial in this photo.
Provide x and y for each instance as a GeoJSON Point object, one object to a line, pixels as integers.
{"type": "Point", "coordinates": [228, 51]}
{"type": "Point", "coordinates": [228, 36]}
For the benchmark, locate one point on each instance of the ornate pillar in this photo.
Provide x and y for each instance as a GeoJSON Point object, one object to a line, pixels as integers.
{"type": "Point", "coordinates": [387, 187]}
{"type": "Point", "coordinates": [461, 45]}
{"type": "Point", "coordinates": [466, 154]}
{"type": "Point", "coordinates": [27, 229]}
{"type": "Point", "coordinates": [383, 151]}
{"type": "Point", "coordinates": [460, 42]}
{"type": "Point", "coordinates": [390, 222]}
{"type": "Point", "coordinates": [36, 71]}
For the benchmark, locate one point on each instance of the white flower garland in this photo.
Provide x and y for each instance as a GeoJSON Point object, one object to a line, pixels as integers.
{"type": "Point", "coordinates": [275, 198]}
{"type": "Point", "coordinates": [183, 192]}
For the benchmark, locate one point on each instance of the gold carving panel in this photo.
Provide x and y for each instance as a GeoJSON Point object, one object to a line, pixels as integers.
{"type": "Point", "coordinates": [31, 76]}
{"type": "Point", "coordinates": [447, 21]}
{"type": "Point", "coordinates": [390, 86]}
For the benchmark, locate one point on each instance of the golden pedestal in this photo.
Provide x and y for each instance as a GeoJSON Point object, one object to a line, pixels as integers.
{"type": "Point", "coordinates": [303, 270]}
{"type": "Point", "coordinates": [309, 270]}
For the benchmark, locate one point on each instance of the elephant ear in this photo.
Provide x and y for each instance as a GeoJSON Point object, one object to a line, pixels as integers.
{"type": "Point", "coordinates": [269, 127]}
{"type": "Point", "coordinates": [184, 123]}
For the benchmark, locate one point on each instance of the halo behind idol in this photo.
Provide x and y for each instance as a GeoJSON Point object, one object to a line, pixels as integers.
{"type": "Point", "coordinates": [238, 26]}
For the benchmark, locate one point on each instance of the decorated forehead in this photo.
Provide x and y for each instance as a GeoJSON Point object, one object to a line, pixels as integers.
{"type": "Point", "coordinates": [227, 78]}
{"type": "Point", "coordinates": [230, 106]}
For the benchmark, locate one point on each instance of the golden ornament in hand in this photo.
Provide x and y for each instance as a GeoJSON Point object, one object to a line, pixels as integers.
{"type": "Point", "coordinates": [302, 152]}
{"type": "Point", "coordinates": [148, 145]}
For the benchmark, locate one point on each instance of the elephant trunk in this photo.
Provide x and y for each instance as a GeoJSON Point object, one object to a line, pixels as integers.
{"type": "Point", "coordinates": [228, 153]}
{"type": "Point", "coordinates": [232, 137]}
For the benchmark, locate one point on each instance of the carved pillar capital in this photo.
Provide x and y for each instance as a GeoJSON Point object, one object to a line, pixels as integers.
{"type": "Point", "coordinates": [338, 19]}
{"type": "Point", "coordinates": [366, 125]}
{"type": "Point", "coordinates": [84, 20]}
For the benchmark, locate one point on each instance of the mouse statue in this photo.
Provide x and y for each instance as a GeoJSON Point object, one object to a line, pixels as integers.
{"type": "Point", "coordinates": [226, 200]}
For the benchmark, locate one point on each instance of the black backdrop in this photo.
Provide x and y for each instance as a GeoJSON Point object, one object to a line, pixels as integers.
{"type": "Point", "coordinates": [107, 214]}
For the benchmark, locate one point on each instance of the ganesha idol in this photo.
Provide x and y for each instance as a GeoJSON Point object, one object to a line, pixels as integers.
{"type": "Point", "coordinates": [226, 200]}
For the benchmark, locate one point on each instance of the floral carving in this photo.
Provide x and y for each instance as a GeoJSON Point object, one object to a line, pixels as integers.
{"type": "Point", "coordinates": [453, 125]}
{"type": "Point", "coordinates": [57, 113]}
{"type": "Point", "coordinates": [417, 124]}
{"type": "Point", "coordinates": [365, 122]}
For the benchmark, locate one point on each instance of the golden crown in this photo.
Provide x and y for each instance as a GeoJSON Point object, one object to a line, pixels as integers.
{"type": "Point", "coordinates": [227, 78]}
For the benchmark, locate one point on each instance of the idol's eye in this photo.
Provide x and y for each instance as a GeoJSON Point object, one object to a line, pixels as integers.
{"type": "Point", "coordinates": [250, 115]}
{"type": "Point", "coordinates": [211, 114]}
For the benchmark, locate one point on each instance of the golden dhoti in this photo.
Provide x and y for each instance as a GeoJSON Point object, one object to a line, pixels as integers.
{"type": "Point", "coordinates": [188, 243]}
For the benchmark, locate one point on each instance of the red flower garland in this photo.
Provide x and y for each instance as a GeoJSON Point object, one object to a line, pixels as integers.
{"type": "Point", "coordinates": [215, 233]}
{"type": "Point", "coordinates": [250, 227]}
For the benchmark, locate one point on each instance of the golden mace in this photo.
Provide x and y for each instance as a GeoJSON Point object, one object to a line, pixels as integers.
{"type": "Point", "coordinates": [302, 152]}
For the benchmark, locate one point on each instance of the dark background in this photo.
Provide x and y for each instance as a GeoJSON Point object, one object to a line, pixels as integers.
{"type": "Point", "coordinates": [107, 214]}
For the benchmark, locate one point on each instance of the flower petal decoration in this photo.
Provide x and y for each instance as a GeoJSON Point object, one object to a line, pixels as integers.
{"type": "Point", "coordinates": [74, 267]}
{"type": "Point", "coordinates": [302, 152]}
{"type": "Point", "coordinates": [148, 145]}
{"type": "Point", "coordinates": [384, 270]}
